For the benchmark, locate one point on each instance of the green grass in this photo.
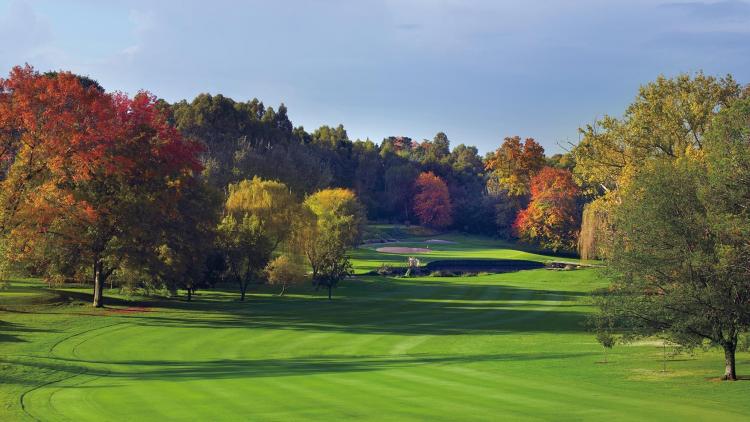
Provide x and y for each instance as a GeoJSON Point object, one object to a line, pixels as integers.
{"type": "Point", "coordinates": [490, 347]}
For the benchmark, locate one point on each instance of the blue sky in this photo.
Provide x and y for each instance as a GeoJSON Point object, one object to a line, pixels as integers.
{"type": "Point", "coordinates": [477, 70]}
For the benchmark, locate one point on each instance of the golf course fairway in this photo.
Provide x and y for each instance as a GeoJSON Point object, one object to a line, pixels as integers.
{"type": "Point", "coordinates": [510, 346]}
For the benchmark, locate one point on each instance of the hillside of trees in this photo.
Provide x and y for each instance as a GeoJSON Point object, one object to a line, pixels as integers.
{"type": "Point", "coordinates": [101, 186]}
{"type": "Point", "coordinates": [247, 139]}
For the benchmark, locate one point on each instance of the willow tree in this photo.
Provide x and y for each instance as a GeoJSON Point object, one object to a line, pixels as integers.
{"type": "Point", "coordinates": [258, 218]}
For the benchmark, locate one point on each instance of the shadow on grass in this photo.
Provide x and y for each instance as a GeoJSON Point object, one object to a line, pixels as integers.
{"type": "Point", "coordinates": [409, 308]}
{"type": "Point", "coordinates": [9, 332]}
{"type": "Point", "coordinates": [146, 370]}
{"type": "Point", "coordinates": [375, 305]}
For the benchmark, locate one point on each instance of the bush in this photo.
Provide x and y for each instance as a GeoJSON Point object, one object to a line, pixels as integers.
{"type": "Point", "coordinates": [283, 272]}
{"type": "Point", "coordinates": [384, 269]}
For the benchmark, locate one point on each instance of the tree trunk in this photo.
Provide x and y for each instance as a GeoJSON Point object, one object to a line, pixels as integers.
{"type": "Point", "coordinates": [730, 373]}
{"type": "Point", "coordinates": [243, 288]}
{"type": "Point", "coordinates": [330, 287]}
{"type": "Point", "coordinates": [190, 294]}
{"type": "Point", "coordinates": [283, 288]}
{"type": "Point", "coordinates": [98, 285]}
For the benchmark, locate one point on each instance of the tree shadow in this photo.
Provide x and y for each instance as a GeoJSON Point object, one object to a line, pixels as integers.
{"type": "Point", "coordinates": [413, 308]}
{"type": "Point", "coordinates": [169, 370]}
{"type": "Point", "coordinates": [9, 332]}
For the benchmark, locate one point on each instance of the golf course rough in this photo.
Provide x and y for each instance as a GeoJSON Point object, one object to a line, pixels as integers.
{"type": "Point", "coordinates": [509, 346]}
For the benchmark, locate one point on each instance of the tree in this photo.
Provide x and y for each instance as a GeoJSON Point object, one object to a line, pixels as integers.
{"type": "Point", "coordinates": [607, 340]}
{"type": "Point", "coordinates": [680, 256]}
{"type": "Point", "coordinates": [186, 240]}
{"type": "Point", "coordinates": [85, 167]}
{"type": "Point", "coordinates": [258, 218]}
{"type": "Point", "coordinates": [552, 217]}
{"type": "Point", "coordinates": [432, 203]}
{"type": "Point", "coordinates": [399, 184]}
{"type": "Point", "coordinates": [328, 225]}
{"type": "Point", "coordinates": [283, 271]}
{"type": "Point", "coordinates": [338, 212]}
{"type": "Point", "coordinates": [514, 164]}
{"type": "Point", "coordinates": [667, 120]}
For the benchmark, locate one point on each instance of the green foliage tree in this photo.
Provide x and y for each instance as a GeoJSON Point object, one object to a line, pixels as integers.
{"type": "Point", "coordinates": [187, 239]}
{"type": "Point", "coordinates": [245, 247]}
{"type": "Point", "coordinates": [680, 255]}
{"type": "Point", "coordinates": [668, 119]}
{"type": "Point", "coordinates": [607, 340]}
{"type": "Point", "coordinates": [399, 184]}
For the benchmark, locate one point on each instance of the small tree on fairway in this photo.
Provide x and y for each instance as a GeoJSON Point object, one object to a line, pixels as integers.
{"type": "Point", "coordinates": [333, 265]}
{"type": "Point", "coordinates": [246, 249]}
{"type": "Point", "coordinates": [329, 223]}
{"type": "Point", "coordinates": [283, 272]}
{"type": "Point", "coordinates": [607, 341]}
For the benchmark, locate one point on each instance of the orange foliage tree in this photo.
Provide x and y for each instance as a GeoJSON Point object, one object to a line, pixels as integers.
{"type": "Point", "coordinates": [432, 203]}
{"type": "Point", "coordinates": [86, 173]}
{"type": "Point", "coordinates": [514, 164]}
{"type": "Point", "coordinates": [552, 218]}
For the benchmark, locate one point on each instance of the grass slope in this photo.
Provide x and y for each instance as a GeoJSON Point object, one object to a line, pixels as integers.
{"type": "Point", "coordinates": [508, 346]}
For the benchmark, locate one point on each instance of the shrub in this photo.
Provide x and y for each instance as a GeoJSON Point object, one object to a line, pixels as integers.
{"type": "Point", "coordinates": [283, 272]}
{"type": "Point", "coordinates": [384, 269]}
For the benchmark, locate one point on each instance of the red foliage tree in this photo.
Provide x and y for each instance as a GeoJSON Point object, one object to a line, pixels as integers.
{"type": "Point", "coordinates": [89, 172]}
{"type": "Point", "coordinates": [552, 218]}
{"type": "Point", "coordinates": [432, 203]}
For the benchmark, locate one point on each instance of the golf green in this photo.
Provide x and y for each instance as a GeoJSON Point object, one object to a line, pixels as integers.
{"type": "Point", "coordinates": [487, 347]}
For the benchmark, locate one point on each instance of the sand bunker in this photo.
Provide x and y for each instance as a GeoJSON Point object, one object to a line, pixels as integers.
{"type": "Point", "coordinates": [397, 249]}
{"type": "Point", "coordinates": [440, 241]}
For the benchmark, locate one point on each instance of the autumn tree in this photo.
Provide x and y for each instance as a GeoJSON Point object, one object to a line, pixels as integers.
{"type": "Point", "coordinates": [284, 271]}
{"type": "Point", "coordinates": [328, 225]}
{"type": "Point", "coordinates": [432, 202]}
{"type": "Point", "coordinates": [668, 119]}
{"type": "Point", "coordinates": [87, 165]}
{"type": "Point", "coordinates": [514, 164]}
{"type": "Point", "coordinates": [552, 217]}
{"type": "Point", "coordinates": [258, 216]}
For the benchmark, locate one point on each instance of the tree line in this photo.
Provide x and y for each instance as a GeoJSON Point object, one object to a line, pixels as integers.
{"type": "Point", "coordinates": [399, 180]}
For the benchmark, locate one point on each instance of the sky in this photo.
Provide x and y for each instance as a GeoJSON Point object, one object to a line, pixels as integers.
{"type": "Point", "coordinates": [477, 70]}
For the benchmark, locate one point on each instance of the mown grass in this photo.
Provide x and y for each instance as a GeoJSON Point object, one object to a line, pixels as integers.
{"type": "Point", "coordinates": [488, 347]}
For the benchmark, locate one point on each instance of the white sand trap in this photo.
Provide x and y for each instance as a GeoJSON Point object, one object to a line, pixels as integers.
{"type": "Point", "coordinates": [440, 241]}
{"type": "Point", "coordinates": [397, 249]}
